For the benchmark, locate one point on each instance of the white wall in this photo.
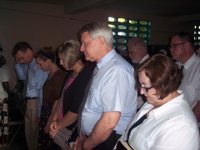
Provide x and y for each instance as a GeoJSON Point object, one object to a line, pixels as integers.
{"type": "Point", "coordinates": [40, 25]}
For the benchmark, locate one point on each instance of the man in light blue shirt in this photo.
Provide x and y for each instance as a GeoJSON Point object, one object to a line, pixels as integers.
{"type": "Point", "coordinates": [20, 71]}
{"type": "Point", "coordinates": [112, 99]}
{"type": "Point", "coordinates": [28, 70]}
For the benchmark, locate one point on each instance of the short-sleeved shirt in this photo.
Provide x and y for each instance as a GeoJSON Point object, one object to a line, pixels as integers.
{"type": "Point", "coordinates": [112, 89]}
{"type": "Point", "coordinates": [36, 78]}
{"type": "Point", "coordinates": [20, 71]}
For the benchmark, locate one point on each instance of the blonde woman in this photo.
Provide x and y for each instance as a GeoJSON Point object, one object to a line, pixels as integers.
{"type": "Point", "coordinates": [76, 80]}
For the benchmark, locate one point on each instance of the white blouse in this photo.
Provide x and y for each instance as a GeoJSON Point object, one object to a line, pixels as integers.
{"type": "Point", "coordinates": [171, 126]}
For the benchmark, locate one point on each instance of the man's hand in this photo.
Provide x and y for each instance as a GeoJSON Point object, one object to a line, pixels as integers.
{"type": "Point", "coordinates": [102, 130]}
{"type": "Point", "coordinates": [78, 144]}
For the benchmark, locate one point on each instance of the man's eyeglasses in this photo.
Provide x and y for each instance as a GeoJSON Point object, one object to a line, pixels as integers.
{"type": "Point", "coordinates": [145, 89]}
{"type": "Point", "coordinates": [174, 45]}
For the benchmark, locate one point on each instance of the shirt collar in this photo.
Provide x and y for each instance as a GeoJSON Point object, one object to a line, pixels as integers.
{"type": "Point", "coordinates": [33, 61]}
{"type": "Point", "coordinates": [144, 58]}
{"type": "Point", "coordinates": [162, 110]}
{"type": "Point", "coordinates": [189, 62]}
{"type": "Point", "coordinates": [106, 58]}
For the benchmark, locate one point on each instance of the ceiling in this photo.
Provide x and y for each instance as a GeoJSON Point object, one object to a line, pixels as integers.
{"type": "Point", "coordinates": [167, 8]}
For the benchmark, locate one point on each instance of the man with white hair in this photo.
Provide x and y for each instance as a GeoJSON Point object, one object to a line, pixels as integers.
{"type": "Point", "coordinates": [138, 52]}
{"type": "Point", "coordinates": [111, 100]}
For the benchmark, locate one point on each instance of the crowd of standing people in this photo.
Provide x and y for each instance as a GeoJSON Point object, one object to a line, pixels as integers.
{"type": "Point", "coordinates": [84, 95]}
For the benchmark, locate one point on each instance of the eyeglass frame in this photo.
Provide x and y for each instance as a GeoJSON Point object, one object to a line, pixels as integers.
{"type": "Point", "coordinates": [174, 45]}
{"type": "Point", "coordinates": [145, 89]}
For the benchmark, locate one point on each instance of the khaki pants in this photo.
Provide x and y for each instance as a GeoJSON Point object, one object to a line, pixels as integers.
{"type": "Point", "coordinates": [32, 124]}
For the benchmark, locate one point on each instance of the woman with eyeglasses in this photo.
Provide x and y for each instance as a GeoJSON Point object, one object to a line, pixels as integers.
{"type": "Point", "coordinates": [165, 121]}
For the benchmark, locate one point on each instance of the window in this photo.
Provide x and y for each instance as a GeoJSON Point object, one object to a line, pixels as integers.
{"type": "Point", "coordinates": [124, 29]}
{"type": "Point", "coordinates": [197, 34]}
{"type": "Point", "coordinates": [197, 37]}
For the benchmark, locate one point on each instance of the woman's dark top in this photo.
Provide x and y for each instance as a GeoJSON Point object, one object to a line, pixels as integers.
{"type": "Point", "coordinates": [74, 94]}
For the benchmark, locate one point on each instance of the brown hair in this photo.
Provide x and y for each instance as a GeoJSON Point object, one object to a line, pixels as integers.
{"type": "Point", "coordinates": [164, 74]}
{"type": "Point", "coordinates": [45, 54]}
{"type": "Point", "coordinates": [21, 46]}
{"type": "Point", "coordinates": [184, 36]}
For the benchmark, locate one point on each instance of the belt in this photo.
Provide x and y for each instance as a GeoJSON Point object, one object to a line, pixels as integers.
{"type": "Point", "coordinates": [29, 98]}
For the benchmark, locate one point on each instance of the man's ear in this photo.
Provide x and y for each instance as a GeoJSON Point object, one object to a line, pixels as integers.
{"type": "Point", "coordinates": [101, 40]}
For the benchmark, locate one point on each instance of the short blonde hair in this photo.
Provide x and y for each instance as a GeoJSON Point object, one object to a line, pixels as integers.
{"type": "Point", "coordinates": [71, 51]}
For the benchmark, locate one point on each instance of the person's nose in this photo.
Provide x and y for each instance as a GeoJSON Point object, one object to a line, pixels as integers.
{"type": "Point", "coordinates": [82, 49]}
{"type": "Point", "coordinates": [142, 91]}
{"type": "Point", "coordinates": [21, 61]}
{"type": "Point", "coordinates": [61, 63]}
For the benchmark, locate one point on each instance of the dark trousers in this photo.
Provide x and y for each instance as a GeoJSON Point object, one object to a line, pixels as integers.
{"type": "Point", "coordinates": [109, 143]}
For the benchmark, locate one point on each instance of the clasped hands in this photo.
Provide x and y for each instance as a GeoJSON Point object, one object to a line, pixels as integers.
{"type": "Point", "coordinates": [53, 129]}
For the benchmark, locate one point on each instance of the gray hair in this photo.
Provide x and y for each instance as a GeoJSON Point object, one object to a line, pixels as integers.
{"type": "Point", "coordinates": [97, 29]}
{"type": "Point", "coordinates": [138, 42]}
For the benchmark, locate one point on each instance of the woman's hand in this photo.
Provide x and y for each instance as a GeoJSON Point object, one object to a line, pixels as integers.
{"type": "Point", "coordinates": [53, 129]}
